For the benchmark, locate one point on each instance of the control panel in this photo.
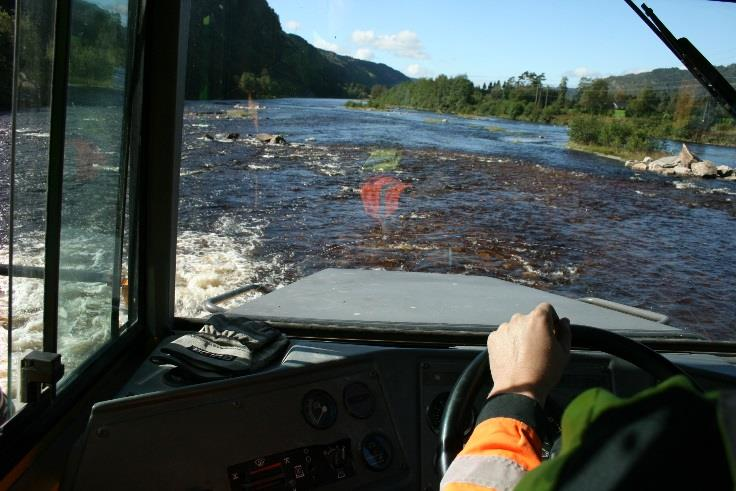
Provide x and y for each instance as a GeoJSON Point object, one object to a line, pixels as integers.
{"type": "Point", "coordinates": [297, 469]}
{"type": "Point", "coordinates": [320, 427]}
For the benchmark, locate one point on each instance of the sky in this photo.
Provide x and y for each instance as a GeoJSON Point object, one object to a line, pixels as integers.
{"type": "Point", "coordinates": [490, 40]}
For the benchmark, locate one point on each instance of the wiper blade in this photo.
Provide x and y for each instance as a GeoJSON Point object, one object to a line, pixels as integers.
{"type": "Point", "coordinates": [694, 61]}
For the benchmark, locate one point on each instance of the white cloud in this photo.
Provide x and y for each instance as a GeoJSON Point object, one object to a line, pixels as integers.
{"type": "Point", "coordinates": [322, 43]}
{"type": "Point", "coordinates": [404, 43]}
{"type": "Point", "coordinates": [415, 70]}
{"type": "Point", "coordinates": [292, 25]}
{"type": "Point", "coordinates": [363, 37]}
{"type": "Point", "coordinates": [582, 71]}
{"type": "Point", "coordinates": [364, 54]}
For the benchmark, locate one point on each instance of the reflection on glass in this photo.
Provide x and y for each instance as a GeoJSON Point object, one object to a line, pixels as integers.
{"type": "Point", "coordinates": [92, 179]}
{"type": "Point", "coordinates": [31, 139]}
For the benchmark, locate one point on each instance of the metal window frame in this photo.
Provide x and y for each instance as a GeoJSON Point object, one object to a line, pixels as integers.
{"type": "Point", "coordinates": [153, 140]}
{"type": "Point", "coordinates": [55, 177]}
{"type": "Point", "coordinates": [163, 100]}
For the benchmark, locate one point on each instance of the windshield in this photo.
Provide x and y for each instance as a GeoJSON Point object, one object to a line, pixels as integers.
{"type": "Point", "coordinates": [538, 143]}
{"type": "Point", "coordinates": [535, 143]}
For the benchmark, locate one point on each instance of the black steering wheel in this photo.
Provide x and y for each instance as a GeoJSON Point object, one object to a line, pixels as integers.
{"type": "Point", "coordinates": [473, 377]}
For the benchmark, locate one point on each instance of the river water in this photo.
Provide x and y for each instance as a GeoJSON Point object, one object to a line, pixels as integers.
{"type": "Point", "coordinates": [484, 196]}
{"type": "Point", "coordinates": [478, 196]}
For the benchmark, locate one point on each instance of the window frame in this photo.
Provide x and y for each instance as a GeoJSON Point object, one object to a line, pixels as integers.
{"type": "Point", "coordinates": [151, 152]}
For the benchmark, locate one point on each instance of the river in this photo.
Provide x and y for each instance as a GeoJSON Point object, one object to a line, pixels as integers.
{"type": "Point", "coordinates": [486, 196]}
{"type": "Point", "coordinates": [478, 196]}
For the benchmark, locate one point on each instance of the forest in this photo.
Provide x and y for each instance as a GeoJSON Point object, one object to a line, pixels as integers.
{"type": "Point", "coordinates": [620, 114]}
{"type": "Point", "coordinates": [237, 49]}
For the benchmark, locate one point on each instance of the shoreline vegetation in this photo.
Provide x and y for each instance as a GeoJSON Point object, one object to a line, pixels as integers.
{"type": "Point", "coordinates": [614, 122]}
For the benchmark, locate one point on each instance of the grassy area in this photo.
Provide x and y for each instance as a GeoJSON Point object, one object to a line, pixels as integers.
{"type": "Point", "coordinates": [616, 153]}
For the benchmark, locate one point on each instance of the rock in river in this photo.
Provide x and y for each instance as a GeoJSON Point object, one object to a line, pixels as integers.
{"type": "Point", "coordinates": [639, 167]}
{"type": "Point", "coordinates": [724, 171]}
{"type": "Point", "coordinates": [667, 162]}
{"type": "Point", "coordinates": [705, 168]}
{"type": "Point", "coordinates": [269, 138]}
{"type": "Point", "coordinates": [682, 171]}
{"type": "Point", "coordinates": [686, 157]}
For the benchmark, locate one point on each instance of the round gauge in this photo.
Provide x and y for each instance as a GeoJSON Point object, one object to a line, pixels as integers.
{"type": "Point", "coordinates": [377, 451]}
{"type": "Point", "coordinates": [434, 414]}
{"type": "Point", "coordinates": [359, 400]}
{"type": "Point", "coordinates": [319, 409]}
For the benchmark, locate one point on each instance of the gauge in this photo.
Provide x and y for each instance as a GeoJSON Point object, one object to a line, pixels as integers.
{"type": "Point", "coordinates": [319, 409]}
{"type": "Point", "coordinates": [434, 414]}
{"type": "Point", "coordinates": [377, 451]}
{"type": "Point", "coordinates": [359, 400]}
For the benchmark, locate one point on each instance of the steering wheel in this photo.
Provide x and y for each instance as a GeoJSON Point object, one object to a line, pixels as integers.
{"type": "Point", "coordinates": [471, 380]}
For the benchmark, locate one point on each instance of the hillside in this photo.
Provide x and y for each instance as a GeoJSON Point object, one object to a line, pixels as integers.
{"type": "Point", "coordinates": [664, 80]}
{"type": "Point", "coordinates": [238, 48]}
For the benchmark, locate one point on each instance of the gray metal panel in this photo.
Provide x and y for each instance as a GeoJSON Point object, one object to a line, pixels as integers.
{"type": "Point", "coordinates": [360, 296]}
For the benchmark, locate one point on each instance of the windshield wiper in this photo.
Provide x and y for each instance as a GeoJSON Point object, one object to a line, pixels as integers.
{"type": "Point", "coordinates": [694, 61]}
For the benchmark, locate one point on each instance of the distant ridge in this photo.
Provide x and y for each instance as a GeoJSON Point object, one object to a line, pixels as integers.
{"type": "Point", "coordinates": [230, 38]}
{"type": "Point", "coordinates": [664, 80]}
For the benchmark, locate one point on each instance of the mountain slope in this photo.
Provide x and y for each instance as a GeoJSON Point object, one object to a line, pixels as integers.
{"type": "Point", "coordinates": [668, 80]}
{"type": "Point", "coordinates": [238, 47]}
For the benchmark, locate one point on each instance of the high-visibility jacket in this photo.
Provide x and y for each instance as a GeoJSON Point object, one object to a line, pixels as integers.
{"type": "Point", "coordinates": [666, 437]}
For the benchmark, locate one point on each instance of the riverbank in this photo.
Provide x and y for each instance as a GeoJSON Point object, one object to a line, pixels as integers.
{"type": "Point", "coordinates": [614, 153]}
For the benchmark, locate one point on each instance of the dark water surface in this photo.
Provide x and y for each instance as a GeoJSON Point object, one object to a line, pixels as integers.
{"type": "Point", "coordinates": [484, 197]}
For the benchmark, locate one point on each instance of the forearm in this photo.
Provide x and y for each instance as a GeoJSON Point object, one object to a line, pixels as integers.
{"type": "Point", "coordinates": [504, 446]}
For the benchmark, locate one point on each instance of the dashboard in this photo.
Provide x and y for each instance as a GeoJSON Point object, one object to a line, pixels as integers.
{"type": "Point", "coordinates": [329, 416]}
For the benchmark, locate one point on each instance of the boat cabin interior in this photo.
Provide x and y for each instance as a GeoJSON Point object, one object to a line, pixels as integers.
{"type": "Point", "coordinates": [375, 376]}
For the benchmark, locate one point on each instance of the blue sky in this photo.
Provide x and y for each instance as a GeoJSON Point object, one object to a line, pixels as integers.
{"type": "Point", "coordinates": [494, 40]}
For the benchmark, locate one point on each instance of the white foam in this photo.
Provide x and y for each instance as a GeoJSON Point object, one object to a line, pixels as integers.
{"type": "Point", "coordinates": [84, 308]}
{"type": "Point", "coordinates": [209, 264]}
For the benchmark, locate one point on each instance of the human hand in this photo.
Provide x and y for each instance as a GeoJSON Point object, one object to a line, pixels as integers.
{"type": "Point", "coordinates": [528, 354]}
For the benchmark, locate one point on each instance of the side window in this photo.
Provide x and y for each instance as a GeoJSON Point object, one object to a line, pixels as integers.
{"type": "Point", "coordinates": [31, 125]}
{"type": "Point", "coordinates": [94, 181]}
{"type": "Point", "coordinates": [86, 237]}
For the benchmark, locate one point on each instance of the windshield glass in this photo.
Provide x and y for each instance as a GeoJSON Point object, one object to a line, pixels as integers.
{"type": "Point", "coordinates": [534, 142]}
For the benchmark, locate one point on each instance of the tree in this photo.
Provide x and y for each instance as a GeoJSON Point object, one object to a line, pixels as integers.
{"type": "Point", "coordinates": [248, 83]}
{"type": "Point", "coordinates": [684, 105]}
{"type": "Point", "coordinates": [645, 103]}
{"type": "Point", "coordinates": [6, 59]}
{"type": "Point", "coordinates": [562, 92]}
{"type": "Point", "coordinates": [594, 98]}
{"type": "Point", "coordinates": [377, 91]}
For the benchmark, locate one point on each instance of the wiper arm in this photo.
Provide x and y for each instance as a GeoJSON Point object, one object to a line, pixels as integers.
{"type": "Point", "coordinates": [694, 61]}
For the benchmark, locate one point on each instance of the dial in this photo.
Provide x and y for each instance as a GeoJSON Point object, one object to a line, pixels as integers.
{"type": "Point", "coordinates": [319, 409]}
{"type": "Point", "coordinates": [359, 400]}
{"type": "Point", "coordinates": [434, 414]}
{"type": "Point", "coordinates": [377, 451]}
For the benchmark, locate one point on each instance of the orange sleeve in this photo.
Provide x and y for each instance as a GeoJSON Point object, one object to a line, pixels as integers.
{"type": "Point", "coordinates": [506, 437]}
{"type": "Point", "coordinates": [501, 450]}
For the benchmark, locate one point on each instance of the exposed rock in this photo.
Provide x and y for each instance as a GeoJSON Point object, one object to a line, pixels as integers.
{"type": "Point", "coordinates": [667, 162]}
{"type": "Point", "coordinates": [655, 167]}
{"type": "Point", "coordinates": [639, 167]}
{"type": "Point", "coordinates": [222, 137]}
{"type": "Point", "coordinates": [647, 160]}
{"type": "Point", "coordinates": [269, 138]}
{"type": "Point", "coordinates": [686, 157]}
{"type": "Point", "coordinates": [682, 171]}
{"type": "Point", "coordinates": [629, 163]}
{"type": "Point", "coordinates": [724, 171]}
{"type": "Point", "coordinates": [705, 168]}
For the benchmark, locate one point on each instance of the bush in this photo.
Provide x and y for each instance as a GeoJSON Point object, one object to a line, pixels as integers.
{"type": "Point", "coordinates": [619, 134]}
